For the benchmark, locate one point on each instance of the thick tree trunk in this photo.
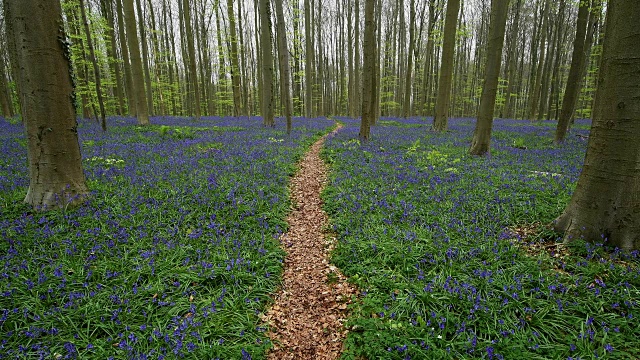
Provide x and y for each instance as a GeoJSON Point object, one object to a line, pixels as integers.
{"type": "Point", "coordinates": [55, 167]}
{"type": "Point", "coordinates": [446, 69]}
{"type": "Point", "coordinates": [573, 82]}
{"type": "Point", "coordinates": [368, 101]}
{"type": "Point", "coordinates": [606, 202]}
{"type": "Point", "coordinates": [142, 112]}
{"type": "Point", "coordinates": [267, 64]}
{"type": "Point", "coordinates": [480, 144]}
{"type": "Point", "coordinates": [283, 59]}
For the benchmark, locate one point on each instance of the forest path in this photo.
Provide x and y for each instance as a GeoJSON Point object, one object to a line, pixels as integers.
{"type": "Point", "coordinates": [306, 319]}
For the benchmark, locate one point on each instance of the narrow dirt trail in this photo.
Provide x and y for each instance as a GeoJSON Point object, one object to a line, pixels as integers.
{"type": "Point", "coordinates": [306, 318]}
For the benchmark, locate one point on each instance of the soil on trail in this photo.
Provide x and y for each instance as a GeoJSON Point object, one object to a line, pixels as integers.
{"type": "Point", "coordinates": [306, 318]}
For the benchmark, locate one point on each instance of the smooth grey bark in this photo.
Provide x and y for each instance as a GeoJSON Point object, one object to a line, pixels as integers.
{"type": "Point", "coordinates": [126, 63]}
{"type": "Point", "coordinates": [267, 64]}
{"type": "Point", "coordinates": [193, 72]}
{"type": "Point", "coordinates": [446, 68]}
{"type": "Point", "coordinates": [537, 83]}
{"type": "Point", "coordinates": [480, 144]}
{"type": "Point", "coordinates": [5, 97]}
{"type": "Point", "coordinates": [357, 95]}
{"type": "Point", "coordinates": [96, 68]}
{"type": "Point", "coordinates": [283, 60]}
{"type": "Point", "coordinates": [575, 73]}
{"type": "Point", "coordinates": [112, 55]}
{"type": "Point", "coordinates": [406, 107]}
{"type": "Point", "coordinates": [308, 66]}
{"type": "Point", "coordinates": [369, 62]}
{"type": "Point", "coordinates": [53, 151]}
{"type": "Point", "coordinates": [142, 113]}
{"type": "Point", "coordinates": [605, 205]}
{"type": "Point", "coordinates": [233, 55]}
{"type": "Point", "coordinates": [511, 64]}
{"type": "Point", "coordinates": [145, 57]}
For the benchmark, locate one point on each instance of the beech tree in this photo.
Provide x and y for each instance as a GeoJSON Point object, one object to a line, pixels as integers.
{"type": "Point", "coordinates": [368, 82]}
{"type": "Point", "coordinates": [46, 93]}
{"type": "Point", "coordinates": [283, 61]}
{"type": "Point", "coordinates": [605, 205]}
{"type": "Point", "coordinates": [575, 73]}
{"type": "Point", "coordinates": [484, 123]}
{"type": "Point", "coordinates": [446, 68]}
{"type": "Point", "coordinates": [193, 74]}
{"type": "Point", "coordinates": [142, 112]}
{"type": "Point", "coordinates": [267, 63]}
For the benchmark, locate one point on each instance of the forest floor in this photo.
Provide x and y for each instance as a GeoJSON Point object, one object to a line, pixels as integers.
{"type": "Point", "coordinates": [306, 320]}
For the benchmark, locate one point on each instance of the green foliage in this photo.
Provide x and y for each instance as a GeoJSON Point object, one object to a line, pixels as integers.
{"type": "Point", "coordinates": [443, 269]}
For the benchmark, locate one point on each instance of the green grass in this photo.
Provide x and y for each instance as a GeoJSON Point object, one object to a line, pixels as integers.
{"type": "Point", "coordinates": [428, 234]}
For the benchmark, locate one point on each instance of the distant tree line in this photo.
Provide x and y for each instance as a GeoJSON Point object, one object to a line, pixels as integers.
{"type": "Point", "coordinates": [206, 57]}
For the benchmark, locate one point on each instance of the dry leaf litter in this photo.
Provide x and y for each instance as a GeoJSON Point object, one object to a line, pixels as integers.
{"type": "Point", "coordinates": [306, 318]}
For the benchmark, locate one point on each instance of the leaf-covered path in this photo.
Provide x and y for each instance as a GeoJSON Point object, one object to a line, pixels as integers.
{"type": "Point", "coordinates": [306, 318]}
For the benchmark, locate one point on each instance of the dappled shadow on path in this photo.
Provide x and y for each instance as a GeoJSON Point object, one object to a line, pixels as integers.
{"type": "Point", "coordinates": [306, 319]}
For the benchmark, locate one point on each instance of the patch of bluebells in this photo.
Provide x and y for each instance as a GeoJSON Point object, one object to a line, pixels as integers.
{"type": "Point", "coordinates": [174, 254]}
{"type": "Point", "coordinates": [423, 231]}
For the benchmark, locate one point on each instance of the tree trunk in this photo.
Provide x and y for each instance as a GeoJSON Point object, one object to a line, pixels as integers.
{"type": "Point", "coordinates": [406, 107]}
{"type": "Point", "coordinates": [193, 72]}
{"type": "Point", "coordinates": [267, 63]}
{"type": "Point", "coordinates": [446, 69]}
{"type": "Point", "coordinates": [170, 49]}
{"type": "Point", "coordinates": [352, 109]}
{"type": "Point", "coordinates": [606, 202]}
{"type": "Point", "coordinates": [427, 76]}
{"type": "Point", "coordinates": [376, 76]}
{"type": "Point", "coordinates": [244, 77]}
{"type": "Point", "coordinates": [142, 112]}
{"type": "Point", "coordinates": [157, 61]}
{"type": "Point", "coordinates": [308, 66]}
{"type": "Point", "coordinates": [96, 69]}
{"type": "Point", "coordinates": [5, 95]}
{"type": "Point", "coordinates": [124, 50]}
{"type": "Point", "coordinates": [319, 84]}
{"type": "Point", "coordinates": [369, 52]}
{"type": "Point", "coordinates": [537, 83]}
{"type": "Point", "coordinates": [511, 65]}
{"type": "Point", "coordinates": [145, 57]}
{"type": "Point", "coordinates": [55, 165]}
{"type": "Point", "coordinates": [283, 59]}
{"type": "Point", "coordinates": [480, 145]}
{"type": "Point", "coordinates": [235, 68]}
{"type": "Point", "coordinates": [357, 96]}
{"type": "Point", "coordinates": [546, 76]}
{"type": "Point", "coordinates": [112, 55]}
{"type": "Point", "coordinates": [572, 90]}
